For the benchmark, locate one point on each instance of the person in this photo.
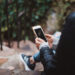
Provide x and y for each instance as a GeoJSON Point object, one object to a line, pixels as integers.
{"type": "Point", "coordinates": [30, 61]}
{"type": "Point", "coordinates": [63, 62]}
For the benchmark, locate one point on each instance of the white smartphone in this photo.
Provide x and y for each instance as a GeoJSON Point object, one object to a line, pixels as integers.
{"type": "Point", "coordinates": [38, 31]}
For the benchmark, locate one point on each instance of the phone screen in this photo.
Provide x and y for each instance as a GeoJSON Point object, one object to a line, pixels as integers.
{"type": "Point", "coordinates": [40, 34]}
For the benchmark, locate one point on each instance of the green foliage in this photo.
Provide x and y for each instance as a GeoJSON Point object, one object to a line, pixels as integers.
{"type": "Point", "coordinates": [34, 12]}
{"type": "Point", "coordinates": [23, 14]}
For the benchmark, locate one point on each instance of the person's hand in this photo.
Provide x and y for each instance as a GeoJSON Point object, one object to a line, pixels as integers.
{"type": "Point", "coordinates": [38, 42]}
{"type": "Point", "coordinates": [49, 39]}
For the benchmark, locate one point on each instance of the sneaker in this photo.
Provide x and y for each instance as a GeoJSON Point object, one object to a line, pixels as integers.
{"type": "Point", "coordinates": [26, 61]}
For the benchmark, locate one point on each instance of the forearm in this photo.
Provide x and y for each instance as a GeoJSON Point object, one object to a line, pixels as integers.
{"type": "Point", "coordinates": [46, 56]}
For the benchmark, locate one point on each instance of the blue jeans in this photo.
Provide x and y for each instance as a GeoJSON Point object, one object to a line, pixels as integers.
{"type": "Point", "coordinates": [37, 56]}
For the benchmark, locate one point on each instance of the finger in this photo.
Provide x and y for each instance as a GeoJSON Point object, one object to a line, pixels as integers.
{"type": "Point", "coordinates": [50, 41]}
{"type": "Point", "coordinates": [37, 38]}
{"type": "Point", "coordinates": [40, 40]}
{"type": "Point", "coordinates": [37, 41]}
{"type": "Point", "coordinates": [48, 36]}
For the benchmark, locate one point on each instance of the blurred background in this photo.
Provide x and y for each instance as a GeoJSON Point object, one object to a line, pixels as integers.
{"type": "Point", "coordinates": [18, 16]}
{"type": "Point", "coordinates": [16, 20]}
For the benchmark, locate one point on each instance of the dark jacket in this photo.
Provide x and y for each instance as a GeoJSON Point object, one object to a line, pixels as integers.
{"type": "Point", "coordinates": [64, 60]}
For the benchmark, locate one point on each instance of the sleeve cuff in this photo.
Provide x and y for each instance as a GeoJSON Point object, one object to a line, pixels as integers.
{"type": "Point", "coordinates": [45, 44]}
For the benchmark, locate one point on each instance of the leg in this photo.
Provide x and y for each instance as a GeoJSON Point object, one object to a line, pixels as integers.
{"type": "Point", "coordinates": [29, 61]}
{"type": "Point", "coordinates": [36, 57]}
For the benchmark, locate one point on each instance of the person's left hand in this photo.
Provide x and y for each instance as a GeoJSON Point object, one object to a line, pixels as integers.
{"type": "Point", "coordinates": [49, 39]}
{"type": "Point", "coordinates": [38, 42]}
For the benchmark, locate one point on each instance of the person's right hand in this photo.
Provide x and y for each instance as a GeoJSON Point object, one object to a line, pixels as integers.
{"type": "Point", "coordinates": [49, 39]}
{"type": "Point", "coordinates": [38, 42]}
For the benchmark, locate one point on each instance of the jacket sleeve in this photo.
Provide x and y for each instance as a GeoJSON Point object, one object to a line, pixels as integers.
{"type": "Point", "coordinates": [47, 58]}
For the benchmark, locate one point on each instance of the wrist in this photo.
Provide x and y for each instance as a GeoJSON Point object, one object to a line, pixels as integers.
{"type": "Point", "coordinates": [45, 44]}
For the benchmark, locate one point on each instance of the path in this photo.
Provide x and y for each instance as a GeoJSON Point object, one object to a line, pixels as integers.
{"type": "Point", "coordinates": [9, 57]}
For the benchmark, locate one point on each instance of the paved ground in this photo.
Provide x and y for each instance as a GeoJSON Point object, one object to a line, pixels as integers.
{"type": "Point", "coordinates": [9, 57]}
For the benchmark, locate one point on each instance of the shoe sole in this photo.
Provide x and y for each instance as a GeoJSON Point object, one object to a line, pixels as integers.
{"type": "Point", "coordinates": [25, 65]}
